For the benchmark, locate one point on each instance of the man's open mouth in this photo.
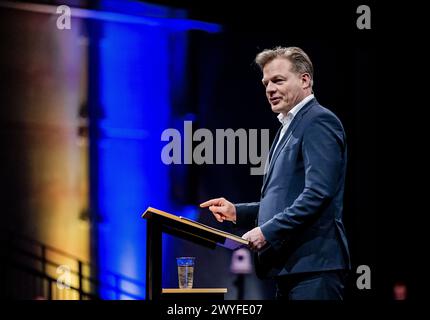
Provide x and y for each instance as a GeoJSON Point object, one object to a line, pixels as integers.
{"type": "Point", "coordinates": [275, 100]}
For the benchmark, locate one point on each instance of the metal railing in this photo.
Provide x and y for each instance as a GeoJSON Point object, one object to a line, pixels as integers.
{"type": "Point", "coordinates": [31, 269]}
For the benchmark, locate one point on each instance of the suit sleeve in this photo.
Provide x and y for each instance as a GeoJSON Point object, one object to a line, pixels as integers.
{"type": "Point", "coordinates": [323, 150]}
{"type": "Point", "coordinates": [246, 214]}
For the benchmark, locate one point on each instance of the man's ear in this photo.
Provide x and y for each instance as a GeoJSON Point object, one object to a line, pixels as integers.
{"type": "Point", "coordinates": [306, 78]}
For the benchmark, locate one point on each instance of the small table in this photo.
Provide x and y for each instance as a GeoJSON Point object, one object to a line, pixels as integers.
{"type": "Point", "coordinates": [193, 294]}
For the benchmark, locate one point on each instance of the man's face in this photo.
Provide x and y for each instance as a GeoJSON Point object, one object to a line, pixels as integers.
{"type": "Point", "coordinates": [284, 88]}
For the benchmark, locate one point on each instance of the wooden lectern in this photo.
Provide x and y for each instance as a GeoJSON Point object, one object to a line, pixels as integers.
{"type": "Point", "coordinates": [158, 222]}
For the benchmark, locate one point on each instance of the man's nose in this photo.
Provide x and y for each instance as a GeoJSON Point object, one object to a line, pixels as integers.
{"type": "Point", "coordinates": [270, 88]}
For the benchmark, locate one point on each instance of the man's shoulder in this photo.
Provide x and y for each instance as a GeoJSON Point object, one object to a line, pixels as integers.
{"type": "Point", "coordinates": [321, 118]}
{"type": "Point", "coordinates": [317, 112]}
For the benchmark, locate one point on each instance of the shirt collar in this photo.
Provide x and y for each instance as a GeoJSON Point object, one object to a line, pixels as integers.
{"type": "Point", "coordinates": [284, 119]}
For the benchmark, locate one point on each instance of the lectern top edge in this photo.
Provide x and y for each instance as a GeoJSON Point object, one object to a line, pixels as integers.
{"type": "Point", "coordinates": [150, 210]}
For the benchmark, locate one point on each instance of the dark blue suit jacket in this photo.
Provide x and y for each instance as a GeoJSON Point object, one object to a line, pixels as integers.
{"type": "Point", "coordinates": [300, 209]}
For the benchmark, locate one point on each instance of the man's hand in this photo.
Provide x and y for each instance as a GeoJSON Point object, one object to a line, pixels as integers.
{"type": "Point", "coordinates": [256, 239]}
{"type": "Point", "coordinates": [221, 209]}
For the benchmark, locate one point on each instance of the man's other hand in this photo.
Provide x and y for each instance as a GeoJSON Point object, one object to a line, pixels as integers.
{"type": "Point", "coordinates": [256, 239]}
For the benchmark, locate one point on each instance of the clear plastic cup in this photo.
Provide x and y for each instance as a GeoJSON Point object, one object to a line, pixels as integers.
{"type": "Point", "coordinates": [185, 272]}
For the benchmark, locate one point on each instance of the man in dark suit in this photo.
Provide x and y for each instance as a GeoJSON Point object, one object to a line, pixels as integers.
{"type": "Point", "coordinates": [296, 227]}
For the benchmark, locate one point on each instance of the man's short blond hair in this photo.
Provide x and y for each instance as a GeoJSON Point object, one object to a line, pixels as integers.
{"type": "Point", "coordinates": [299, 59]}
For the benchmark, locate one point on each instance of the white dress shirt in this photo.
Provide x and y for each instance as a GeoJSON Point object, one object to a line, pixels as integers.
{"type": "Point", "coordinates": [287, 119]}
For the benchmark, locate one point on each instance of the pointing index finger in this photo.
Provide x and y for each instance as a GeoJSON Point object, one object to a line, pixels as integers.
{"type": "Point", "coordinates": [209, 203]}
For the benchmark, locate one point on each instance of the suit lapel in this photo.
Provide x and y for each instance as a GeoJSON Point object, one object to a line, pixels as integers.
{"type": "Point", "coordinates": [272, 147]}
{"type": "Point", "coordinates": [283, 142]}
{"type": "Point", "coordinates": [274, 142]}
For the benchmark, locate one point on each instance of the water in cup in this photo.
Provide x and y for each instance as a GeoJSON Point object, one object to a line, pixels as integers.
{"type": "Point", "coordinates": [185, 272]}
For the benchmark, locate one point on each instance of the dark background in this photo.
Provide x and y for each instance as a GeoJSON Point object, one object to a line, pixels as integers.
{"type": "Point", "coordinates": [362, 76]}
{"type": "Point", "coordinates": [369, 78]}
